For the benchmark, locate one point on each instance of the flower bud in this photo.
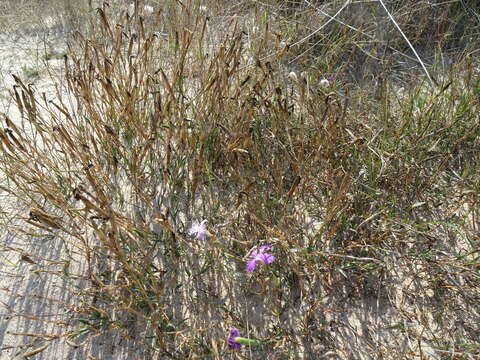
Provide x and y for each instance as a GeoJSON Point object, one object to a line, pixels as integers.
{"type": "Point", "coordinates": [324, 83]}
{"type": "Point", "coordinates": [247, 341]}
{"type": "Point", "coordinates": [292, 76]}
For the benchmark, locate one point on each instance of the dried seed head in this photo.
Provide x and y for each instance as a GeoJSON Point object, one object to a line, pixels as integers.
{"type": "Point", "coordinates": [324, 83]}
{"type": "Point", "coordinates": [292, 76]}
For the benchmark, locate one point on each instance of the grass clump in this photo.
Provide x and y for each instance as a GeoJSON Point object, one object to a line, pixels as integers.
{"type": "Point", "coordinates": [350, 198]}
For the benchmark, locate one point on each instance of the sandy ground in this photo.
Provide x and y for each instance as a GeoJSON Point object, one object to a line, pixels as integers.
{"type": "Point", "coordinates": [376, 320]}
{"type": "Point", "coordinates": [28, 293]}
{"type": "Point", "coordinates": [25, 293]}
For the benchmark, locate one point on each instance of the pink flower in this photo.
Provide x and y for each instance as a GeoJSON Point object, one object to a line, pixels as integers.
{"type": "Point", "coordinates": [235, 342]}
{"type": "Point", "coordinates": [260, 256]}
{"type": "Point", "coordinates": [199, 229]}
{"type": "Point", "coordinates": [232, 339]}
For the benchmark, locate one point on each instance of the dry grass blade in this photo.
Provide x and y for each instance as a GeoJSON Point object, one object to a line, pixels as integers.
{"type": "Point", "coordinates": [34, 352]}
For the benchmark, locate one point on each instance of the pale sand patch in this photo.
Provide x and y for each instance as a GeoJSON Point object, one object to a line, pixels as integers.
{"type": "Point", "coordinates": [28, 291]}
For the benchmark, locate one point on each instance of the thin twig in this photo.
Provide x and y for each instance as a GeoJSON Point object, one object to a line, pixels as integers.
{"type": "Point", "coordinates": [348, 257]}
{"type": "Point", "coordinates": [409, 43]}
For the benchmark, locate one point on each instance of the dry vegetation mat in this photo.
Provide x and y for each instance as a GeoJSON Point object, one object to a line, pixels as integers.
{"type": "Point", "coordinates": [247, 181]}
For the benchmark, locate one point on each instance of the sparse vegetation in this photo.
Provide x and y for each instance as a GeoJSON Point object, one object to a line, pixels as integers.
{"type": "Point", "coordinates": [318, 135]}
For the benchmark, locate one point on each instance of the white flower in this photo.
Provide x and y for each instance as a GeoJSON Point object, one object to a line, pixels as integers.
{"type": "Point", "coordinates": [324, 83]}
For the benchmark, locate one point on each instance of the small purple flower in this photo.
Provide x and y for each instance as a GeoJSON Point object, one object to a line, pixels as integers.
{"type": "Point", "coordinates": [260, 256]}
{"type": "Point", "coordinates": [232, 344]}
{"type": "Point", "coordinates": [199, 229]}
